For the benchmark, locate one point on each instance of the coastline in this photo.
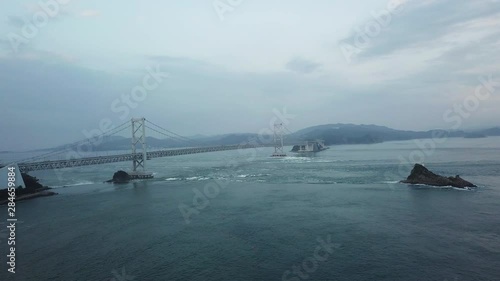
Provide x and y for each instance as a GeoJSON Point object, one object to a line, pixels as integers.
{"type": "Point", "coordinates": [42, 193]}
{"type": "Point", "coordinates": [33, 189]}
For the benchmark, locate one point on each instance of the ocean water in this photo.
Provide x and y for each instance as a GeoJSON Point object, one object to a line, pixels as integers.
{"type": "Point", "coordinates": [242, 215]}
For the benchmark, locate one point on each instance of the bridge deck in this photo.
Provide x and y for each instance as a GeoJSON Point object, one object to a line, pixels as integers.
{"type": "Point", "coordinates": [69, 163]}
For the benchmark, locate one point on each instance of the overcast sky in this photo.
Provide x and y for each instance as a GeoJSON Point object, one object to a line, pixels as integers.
{"type": "Point", "coordinates": [230, 63]}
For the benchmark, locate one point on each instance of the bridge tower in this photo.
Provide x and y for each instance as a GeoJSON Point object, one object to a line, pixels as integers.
{"type": "Point", "coordinates": [278, 141]}
{"type": "Point", "coordinates": [139, 144]}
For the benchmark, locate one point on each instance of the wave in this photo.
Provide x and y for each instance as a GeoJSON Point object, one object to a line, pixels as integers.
{"type": "Point", "coordinates": [197, 178]}
{"type": "Point", "coordinates": [74, 184]}
{"type": "Point", "coordinates": [425, 186]}
{"type": "Point", "coordinates": [465, 189]}
{"type": "Point", "coordinates": [173, 179]}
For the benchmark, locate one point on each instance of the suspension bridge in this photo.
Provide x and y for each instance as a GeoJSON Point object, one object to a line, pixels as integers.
{"type": "Point", "coordinates": [139, 154]}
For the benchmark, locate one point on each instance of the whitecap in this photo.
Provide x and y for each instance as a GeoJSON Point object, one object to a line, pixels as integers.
{"type": "Point", "coordinates": [75, 184]}
{"type": "Point", "coordinates": [172, 179]}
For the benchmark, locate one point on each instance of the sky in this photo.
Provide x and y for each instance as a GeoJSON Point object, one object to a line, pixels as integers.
{"type": "Point", "coordinates": [72, 67]}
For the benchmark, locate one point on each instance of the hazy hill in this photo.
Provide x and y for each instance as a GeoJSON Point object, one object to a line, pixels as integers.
{"type": "Point", "coordinates": [122, 143]}
{"type": "Point", "coordinates": [360, 134]}
{"type": "Point", "coordinates": [332, 134]}
{"type": "Point", "coordinates": [365, 134]}
{"type": "Point", "coordinates": [491, 132]}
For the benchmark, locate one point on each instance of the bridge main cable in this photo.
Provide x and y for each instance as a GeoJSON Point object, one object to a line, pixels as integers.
{"type": "Point", "coordinates": [69, 147]}
{"type": "Point", "coordinates": [169, 134]}
{"type": "Point", "coordinates": [72, 162]}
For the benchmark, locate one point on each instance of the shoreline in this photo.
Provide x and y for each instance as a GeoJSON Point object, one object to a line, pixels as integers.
{"type": "Point", "coordinates": [33, 189]}
{"type": "Point", "coordinates": [42, 193]}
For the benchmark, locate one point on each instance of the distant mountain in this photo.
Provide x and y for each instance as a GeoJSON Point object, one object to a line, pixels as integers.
{"type": "Point", "coordinates": [363, 134]}
{"type": "Point", "coordinates": [491, 132]}
{"type": "Point", "coordinates": [474, 135]}
{"type": "Point", "coordinates": [118, 140]}
{"type": "Point", "coordinates": [122, 143]}
{"type": "Point", "coordinates": [332, 134]}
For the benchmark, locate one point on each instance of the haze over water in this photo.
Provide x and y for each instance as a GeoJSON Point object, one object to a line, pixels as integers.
{"type": "Point", "coordinates": [79, 78]}
{"type": "Point", "coordinates": [268, 218]}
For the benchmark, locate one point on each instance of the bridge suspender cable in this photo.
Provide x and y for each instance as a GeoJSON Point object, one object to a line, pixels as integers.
{"type": "Point", "coordinates": [48, 164]}
{"type": "Point", "coordinates": [170, 134]}
{"type": "Point", "coordinates": [74, 145]}
{"type": "Point", "coordinates": [180, 140]}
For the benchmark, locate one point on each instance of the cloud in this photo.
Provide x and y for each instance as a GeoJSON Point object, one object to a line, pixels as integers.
{"type": "Point", "coordinates": [301, 65]}
{"type": "Point", "coordinates": [428, 58]}
{"type": "Point", "coordinates": [42, 87]}
{"type": "Point", "coordinates": [193, 99]}
{"type": "Point", "coordinates": [179, 61]}
{"type": "Point", "coordinates": [422, 23]}
{"type": "Point", "coordinates": [15, 21]}
{"type": "Point", "coordinates": [442, 43]}
{"type": "Point", "coordinates": [5, 44]}
{"type": "Point", "coordinates": [62, 11]}
{"type": "Point", "coordinates": [90, 13]}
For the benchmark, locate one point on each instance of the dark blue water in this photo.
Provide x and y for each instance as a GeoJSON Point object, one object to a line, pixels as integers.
{"type": "Point", "coordinates": [246, 216]}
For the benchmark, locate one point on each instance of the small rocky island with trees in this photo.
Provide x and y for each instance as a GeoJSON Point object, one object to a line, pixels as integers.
{"type": "Point", "coordinates": [33, 189]}
{"type": "Point", "coordinates": [421, 175]}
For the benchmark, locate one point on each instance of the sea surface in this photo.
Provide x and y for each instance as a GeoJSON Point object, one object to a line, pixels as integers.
{"type": "Point", "coordinates": [242, 215]}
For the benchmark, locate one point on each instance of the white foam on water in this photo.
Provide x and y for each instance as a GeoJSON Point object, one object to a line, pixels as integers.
{"type": "Point", "coordinates": [74, 184]}
{"type": "Point", "coordinates": [464, 189]}
{"type": "Point", "coordinates": [324, 161]}
{"type": "Point", "coordinates": [442, 187]}
{"type": "Point", "coordinates": [197, 178]}
{"type": "Point", "coordinates": [172, 179]}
